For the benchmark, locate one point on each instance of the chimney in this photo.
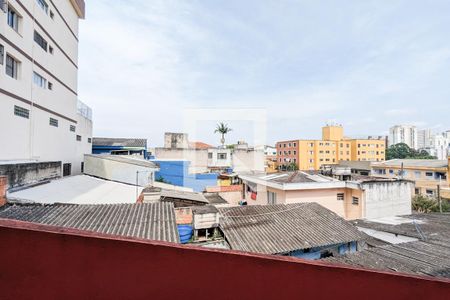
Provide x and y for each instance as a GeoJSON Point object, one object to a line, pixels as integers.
{"type": "Point", "coordinates": [3, 187]}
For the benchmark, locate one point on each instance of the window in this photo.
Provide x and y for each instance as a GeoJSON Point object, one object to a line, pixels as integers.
{"type": "Point", "coordinates": [39, 80]}
{"type": "Point", "coordinates": [40, 40]}
{"type": "Point", "coordinates": [53, 122]}
{"type": "Point", "coordinates": [89, 140]}
{"type": "Point", "coordinates": [50, 49]}
{"type": "Point", "coordinates": [429, 174]}
{"type": "Point", "coordinates": [2, 54]}
{"type": "Point", "coordinates": [79, 138]}
{"type": "Point", "coordinates": [43, 5]}
{"type": "Point", "coordinates": [355, 200]}
{"type": "Point", "coordinates": [21, 112]}
{"type": "Point", "coordinates": [12, 67]}
{"type": "Point", "coordinates": [430, 192]}
{"type": "Point", "coordinates": [271, 198]}
{"type": "Point", "coordinates": [221, 156]}
{"type": "Point", "coordinates": [52, 15]}
{"type": "Point", "coordinates": [67, 169]}
{"type": "Point", "coordinates": [13, 19]}
{"type": "Point", "coordinates": [72, 128]}
{"type": "Point", "coordinates": [340, 196]}
{"type": "Point", "coordinates": [50, 85]}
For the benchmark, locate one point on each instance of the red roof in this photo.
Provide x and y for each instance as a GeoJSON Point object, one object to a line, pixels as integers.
{"type": "Point", "coordinates": [199, 145]}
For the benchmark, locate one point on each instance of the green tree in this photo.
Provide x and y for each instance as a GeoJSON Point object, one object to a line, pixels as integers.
{"type": "Point", "coordinates": [423, 204]}
{"type": "Point", "coordinates": [222, 129]}
{"type": "Point", "coordinates": [402, 151]}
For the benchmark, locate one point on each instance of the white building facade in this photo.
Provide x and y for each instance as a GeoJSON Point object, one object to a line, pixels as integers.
{"type": "Point", "coordinates": [41, 118]}
{"type": "Point", "coordinates": [403, 134]}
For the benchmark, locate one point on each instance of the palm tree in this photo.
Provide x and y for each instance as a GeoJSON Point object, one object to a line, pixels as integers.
{"type": "Point", "coordinates": [223, 129]}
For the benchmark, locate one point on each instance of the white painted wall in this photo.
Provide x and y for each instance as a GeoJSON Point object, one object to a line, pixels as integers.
{"type": "Point", "coordinates": [104, 168]}
{"type": "Point", "coordinates": [387, 199]}
{"type": "Point", "coordinates": [34, 138]}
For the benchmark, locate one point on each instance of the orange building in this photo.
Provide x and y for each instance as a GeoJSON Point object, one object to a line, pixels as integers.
{"type": "Point", "coordinates": [333, 147]}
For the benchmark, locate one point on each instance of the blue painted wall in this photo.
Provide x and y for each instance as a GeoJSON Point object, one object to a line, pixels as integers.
{"type": "Point", "coordinates": [314, 253]}
{"type": "Point", "coordinates": [177, 173]}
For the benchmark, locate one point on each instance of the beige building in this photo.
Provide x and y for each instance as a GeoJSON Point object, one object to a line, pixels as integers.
{"type": "Point", "coordinates": [366, 197]}
{"type": "Point", "coordinates": [40, 115]}
{"type": "Point", "coordinates": [426, 173]}
{"type": "Point", "coordinates": [332, 148]}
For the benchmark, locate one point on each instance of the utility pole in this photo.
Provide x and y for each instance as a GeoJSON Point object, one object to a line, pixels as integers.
{"type": "Point", "coordinates": [439, 197]}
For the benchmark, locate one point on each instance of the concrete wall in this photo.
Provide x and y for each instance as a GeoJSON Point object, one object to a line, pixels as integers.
{"type": "Point", "coordinates": [117, 171]}
{"type": "Point", "coordinates": [177, 173]}
{"type": "Point", "coordinates": [22, 174]}
{"type": "Point", "coordinates": [33, 137]}
{"type": "Point", "coordinates": [198, 158]}
{"type": "Point", "coordinates": [70, 264]}
{"type": "Point", "coordinates": [176, 140]}
{"type": "Point", "coordinates": [387, 199]}
{"type": "Point", "coordinates": [244, 160]}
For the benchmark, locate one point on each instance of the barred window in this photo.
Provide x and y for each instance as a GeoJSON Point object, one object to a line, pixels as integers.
{"type": "Point", "coordinates": [53, 122]}
{"type": "Point", "coordinates": [355, 200]}
{"type": "Point", "coordinates": [40, 40]}
{"type": "Point", "coordinates": [340, 196]}
{"type": "Point", "coordinates": [72, 128]}
{"type": "Point", "coordinates": [89, 140]}
{"type": "Point", "coordinates": [21, 112]}
{"type": "Point", "coordinates": [79, 138]}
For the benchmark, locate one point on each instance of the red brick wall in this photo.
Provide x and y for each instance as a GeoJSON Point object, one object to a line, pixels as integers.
{"type": "Point", "coordinates": [40, 261]}
{"type": "Point", "coordinates": [3, 185]}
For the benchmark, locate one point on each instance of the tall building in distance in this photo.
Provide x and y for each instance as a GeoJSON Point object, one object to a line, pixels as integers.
{"type": "Point", "coordinates": [423, 138]}
{"type": "Point", "coordinates": [404, 134]}
{"type": "Point", "coordinates": [40, 114]}
{"type": "Point", "coordinates": [332, 148]}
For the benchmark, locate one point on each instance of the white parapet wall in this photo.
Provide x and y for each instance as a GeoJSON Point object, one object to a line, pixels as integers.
{"type": "Point", "coordinates": [122, 169]}
{"type": "Point", "coordinates": [387, 199]}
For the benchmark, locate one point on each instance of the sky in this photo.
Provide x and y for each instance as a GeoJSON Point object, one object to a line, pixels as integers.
{"type": "Point", "coordinates": [145, 65]}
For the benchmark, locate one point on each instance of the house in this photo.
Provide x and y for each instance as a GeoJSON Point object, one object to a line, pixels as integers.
{"type": "Point", "coordinates": [303, 230]}
{"type": "Point", "coordinates": [125, 169]}
{"type": "Point", "coordinates": [426, 173]}
{"type": "Point", "coordinates": [416, 244]}
{"type": "Point", "coordinates": [361, 197]}
{"type": "Point", "coordinates": [120, 146]}
{"type": "Point", "coordinates": [159, 223]}
{"type": "Point", "coordinates": [212, 159]}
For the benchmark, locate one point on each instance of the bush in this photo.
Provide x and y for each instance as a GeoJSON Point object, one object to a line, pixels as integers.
{"type": "Point", "coordinates": [423, 204]}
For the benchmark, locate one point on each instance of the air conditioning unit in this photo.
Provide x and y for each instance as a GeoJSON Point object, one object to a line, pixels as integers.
{"type": "Point", "coordinates": [4, 6]}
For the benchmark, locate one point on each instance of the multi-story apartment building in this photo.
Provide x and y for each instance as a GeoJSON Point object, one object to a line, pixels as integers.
{"type": "Point", "coordinates": [423, 138]}
{"type": "Point", "coordinates": [333, 147]}
{"type": "Point", "coordinates": [41, 118]}
{"type": "Point", "coordinates": [404, 134]}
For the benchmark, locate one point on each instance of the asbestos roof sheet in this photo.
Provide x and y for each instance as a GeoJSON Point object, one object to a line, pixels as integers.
{"type": "Point", "coordinates": [119, 142]}
{"type": "Point", "coordinates": [282, 228]}
{"type": "Point", "coordinates": [413, 163]}
{"type": "Point", "coordinates": [153, 221]}
{"type": "Point", "coordinates": [192, 196]}
{"type": "Point", "coordinates": [421, 257]}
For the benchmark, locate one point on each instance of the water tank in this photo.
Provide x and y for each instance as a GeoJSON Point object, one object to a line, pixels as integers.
{"type": "Point", "coordinates": [185, 232]}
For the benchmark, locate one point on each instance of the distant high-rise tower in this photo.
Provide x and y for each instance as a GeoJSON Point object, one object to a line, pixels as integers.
{"type": "Point", "coordinates": [403, 134]}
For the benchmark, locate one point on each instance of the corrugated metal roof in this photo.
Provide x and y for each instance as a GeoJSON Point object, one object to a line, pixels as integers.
{"type": "Point", "coordinates": [119, 142]}
{"type": "Point", "coordinates": [413, 163]}
{"type": "Point", "coordinates": [153, 221]}
{"type": "Point", "coordinates": [282, 228]}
